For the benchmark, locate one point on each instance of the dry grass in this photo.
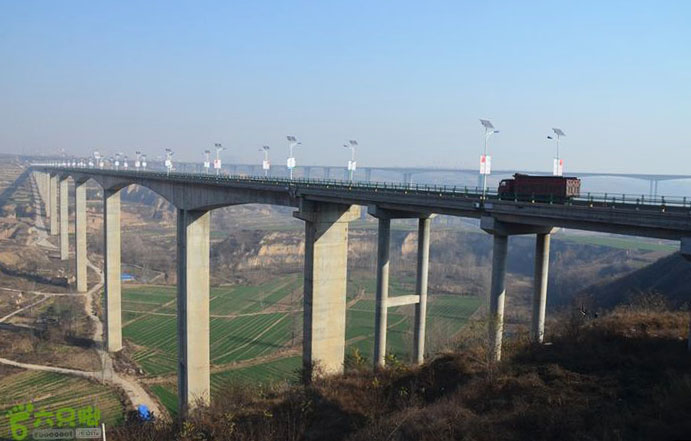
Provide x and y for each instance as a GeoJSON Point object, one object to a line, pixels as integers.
{"type": "Point", "coordinates": [624, 376]}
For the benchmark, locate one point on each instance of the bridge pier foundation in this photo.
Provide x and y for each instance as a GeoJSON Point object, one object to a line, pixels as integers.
{"type": "Point", "coordinates": [194, 373]}
{"type": "Point", "coordinates": [497, 295]}
{"type": "Point", "coordinates": [381, 307]}
{"type": "Point", "coordinates": [53, 204]}
{"type": "Point", "coordinates": [325, 283]}
{"type": "Point", "coordinates": [501, 232]}
{"type": "Point", "coordinates": [80, 234]}
{"type": "Point", "coordinates": [421, 289]}
{"type": "Point", "coordinates": [542, 242]}
{"type": "Point", "coordinates": [64, 220]}
{"type": "Point", "coordinates": [111, 228]}
{"type": "Point", "coordinates": [383, 302]}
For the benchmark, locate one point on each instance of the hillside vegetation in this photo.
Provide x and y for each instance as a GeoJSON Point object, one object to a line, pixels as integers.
{"type": "Point", "coordinates": [623, 376]}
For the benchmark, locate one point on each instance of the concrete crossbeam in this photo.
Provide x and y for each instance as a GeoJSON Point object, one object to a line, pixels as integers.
{"type": "Point", "coordinates": [53, 205]}
{"type": "Point", "coordinates": [64, 220]}
{"type": "Point", "coordinates": [423, 239]}
{"type": "Point", "coordinates": [325, 283]}
{"type": "Point", "coordinates": [537, 330]}
{"type": "Point", "coordinates": [111, 228]}
{"type": "Point", "coordinates": [80, 234]}
{"type": "Point", "coordinates": [412, 299]}
{"type": "Point", "coordinates": [194, 373]}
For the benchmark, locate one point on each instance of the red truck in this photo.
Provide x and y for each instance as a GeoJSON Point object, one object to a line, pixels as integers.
{"type": "Point", "coordinates": [539, 188]}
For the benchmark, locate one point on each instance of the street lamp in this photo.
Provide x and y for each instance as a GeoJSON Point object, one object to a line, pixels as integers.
{"type": "Point", "coordinates": [266, 165]}
{"type": "Point", "coordinates": [217, 162]}
{"type": "Point", "coordinates": [292, 143]}
{"type": "Point", "coordinates": [351, 164]}
{"type": "Point", "coordinates": [169, 161]}
{"type": "Point", "coordinates": [124, 162]}
{"type": "Point", "coordinates": [486, 160]}
{"type": "Point", "coordinates": [558, 167]}
{"type": "Point", "coordinates": [117, 161]}
{"type": "Point", "coordinates": [207, 162]}
{"type": "Point", "coordinates": [137, 160]}
{"type": "Point", "coordinates": [143, 162]}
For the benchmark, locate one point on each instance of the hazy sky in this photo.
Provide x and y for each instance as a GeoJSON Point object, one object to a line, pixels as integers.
{"type": "Point", "coordinates": [408, 80]}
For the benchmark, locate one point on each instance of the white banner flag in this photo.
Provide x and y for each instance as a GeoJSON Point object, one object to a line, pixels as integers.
{"type": "Point", "coordinates": [485, 164]}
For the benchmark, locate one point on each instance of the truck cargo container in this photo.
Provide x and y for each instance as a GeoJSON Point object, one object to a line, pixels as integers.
{"type": "Point", "coordinates": [556, 189]}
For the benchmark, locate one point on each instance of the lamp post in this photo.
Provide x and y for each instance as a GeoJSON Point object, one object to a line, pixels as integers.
{"type": "Point", "coordinates": [169, 161]}
{"type": "Point", "coordinates": [143, 162]}
{"type": "Point", "coordinates": [217, 162]}
{"type": "Point", "coordinates": [292, 143]}
{"type": "Point", "coordinates": [207, 162]}
{"type": "Point", "coordinates": [117, 161]}
{"type": "Point", "coordinates": [486, 160]}
{"type": "Point", "coordinates": [266, 165]}
{"type": "Point", "coordinates": [351, 164]}
{"type": "Point", "coordinates": [137, 160]}
{"type": "Point", "coordinates": [558, 167]}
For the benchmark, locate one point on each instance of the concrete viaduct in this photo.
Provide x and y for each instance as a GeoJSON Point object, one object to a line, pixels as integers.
{"type": "Point", "coordinates": [326, 209]}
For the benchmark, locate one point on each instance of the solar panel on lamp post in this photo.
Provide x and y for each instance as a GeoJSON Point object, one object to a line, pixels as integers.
{"type": "Point", "coordinates": [489, 131]}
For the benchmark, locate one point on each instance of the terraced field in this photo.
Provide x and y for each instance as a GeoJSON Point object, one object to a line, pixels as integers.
{"type": "Point", "coordinates": [243, 325]}
{"type": "Point", "coordinates": [254, 321]}
{"type": "Point", "coordinates": [53, 391]}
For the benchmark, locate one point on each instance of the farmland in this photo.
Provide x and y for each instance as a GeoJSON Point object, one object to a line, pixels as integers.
{"type": "Point", "coordinates": [54, 391]}
{"type": "Point", "coordinates": [256, 329]}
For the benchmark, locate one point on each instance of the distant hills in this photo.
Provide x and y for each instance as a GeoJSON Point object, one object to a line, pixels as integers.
{"type": "Point", "coordinates": [669, 276]}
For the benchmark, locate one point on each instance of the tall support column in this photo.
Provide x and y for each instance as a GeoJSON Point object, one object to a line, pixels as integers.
{"type": "Point", "coordinates": [381, 307]}
{"type": "Point", "coordinates": [497, 294]}
{"type": "Point", "coordinates": [537, 330]}
{"type": "Point", "coordinates": [325, 283]}
{"type": "Point", "coordinates": [421, 288]}
{"type": "Point", "coordinates": [64, 220]}
{"type": "Point", "coordinates": [45, 192]}
{"type": "Point", "coordinates": [194, 373]}
{"type": "Point", "coordinates": [53, 198]}
{"type": "Point", "coordinates": [80, 234]}
{"type": "Point", "coordinates": [111, 228]}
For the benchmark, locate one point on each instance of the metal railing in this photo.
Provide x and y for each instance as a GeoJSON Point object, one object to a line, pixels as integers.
{"type": "Point", "coordinates": [590, 199]}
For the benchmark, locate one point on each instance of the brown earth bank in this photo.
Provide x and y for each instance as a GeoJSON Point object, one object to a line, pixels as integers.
{"type": "Point", "coordinates": [623, 376]}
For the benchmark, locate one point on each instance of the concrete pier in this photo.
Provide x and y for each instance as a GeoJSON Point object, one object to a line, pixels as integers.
{"type": "Point", "coordinates": [497, 294]}
{"type": "Point", "coordinates": [64, 220]}
{"type": "Point", "coordinates": [325, 283]}
{"type": "Point", "coordinates": [421, 289]}
{"type": "Point", "coordinates": [537, 330]}
{"type": "Point", "coordinates": [53, 204]}
{"type": "Point", "coordinates": [80, 234]}
{"type": "Point", "coordinates": [381, 301]}
{"type": "Point", "coordinates": [111, 229]}
{"type": "Point", "coordinates": [194, 373]}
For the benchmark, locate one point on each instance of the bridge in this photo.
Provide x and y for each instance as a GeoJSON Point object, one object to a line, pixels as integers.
{"type": "Point", "coordinates": [327, 207]}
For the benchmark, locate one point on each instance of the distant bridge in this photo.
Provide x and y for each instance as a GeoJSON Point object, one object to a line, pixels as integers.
{"type": "Point", "coordinates": [327, 207]}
